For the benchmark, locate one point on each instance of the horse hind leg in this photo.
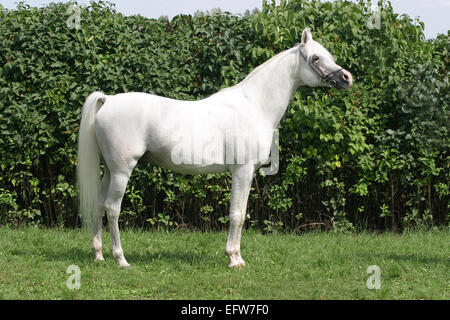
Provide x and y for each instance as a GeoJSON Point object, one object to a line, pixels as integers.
{"type": "Point", "coordinates": [97, 221]}
{"type": "Point", "coordinates": [113, 201]}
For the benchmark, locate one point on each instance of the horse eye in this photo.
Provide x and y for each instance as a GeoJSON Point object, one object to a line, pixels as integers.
{"type": "Point", "coordinates": [315, 59]}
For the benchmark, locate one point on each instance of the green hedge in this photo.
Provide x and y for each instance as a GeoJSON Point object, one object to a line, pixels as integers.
{"type": "Point", "coordinates": [372, 157]}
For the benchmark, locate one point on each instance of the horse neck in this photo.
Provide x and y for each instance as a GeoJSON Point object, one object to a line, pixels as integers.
{"type": "Point", "coordinates": [272, 85]}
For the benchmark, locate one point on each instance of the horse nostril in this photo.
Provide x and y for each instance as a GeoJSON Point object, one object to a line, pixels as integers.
{"type": "Point", "coordinates": [345, 77]}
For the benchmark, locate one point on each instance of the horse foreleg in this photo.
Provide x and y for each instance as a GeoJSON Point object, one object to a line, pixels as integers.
{"type": "Point", "coordinates": [241, 182]}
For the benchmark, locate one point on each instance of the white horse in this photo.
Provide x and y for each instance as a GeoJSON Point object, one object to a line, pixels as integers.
{"type": "Point", "coordinates": [193, 136]}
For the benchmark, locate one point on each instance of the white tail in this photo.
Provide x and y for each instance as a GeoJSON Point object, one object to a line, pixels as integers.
{"type": "Point", "coordinates": [88, 167]}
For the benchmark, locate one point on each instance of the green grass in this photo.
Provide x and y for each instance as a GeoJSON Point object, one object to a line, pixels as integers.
{"type": "Point", "coordinates": [192, 265]}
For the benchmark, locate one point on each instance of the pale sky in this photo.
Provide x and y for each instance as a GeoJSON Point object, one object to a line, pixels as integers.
{"type": "Point", "coordinates": [434, 13]}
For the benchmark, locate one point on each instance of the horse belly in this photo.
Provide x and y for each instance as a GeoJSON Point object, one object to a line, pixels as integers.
{"type": "Point", "coordinates": [184, 168]}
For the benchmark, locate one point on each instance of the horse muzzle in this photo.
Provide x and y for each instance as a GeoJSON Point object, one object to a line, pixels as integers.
{"type": "Point", "coordinates": [341, 80]}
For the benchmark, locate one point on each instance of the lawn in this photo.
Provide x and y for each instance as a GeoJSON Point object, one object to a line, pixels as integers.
{"type": "Point", "coordinates": [192, 265]}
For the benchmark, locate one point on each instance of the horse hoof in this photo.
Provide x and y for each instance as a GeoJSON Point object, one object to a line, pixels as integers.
{"type": "Point", "coordinates": [124, 264]}
{"type": "Point", "coordinates": [237, 266]}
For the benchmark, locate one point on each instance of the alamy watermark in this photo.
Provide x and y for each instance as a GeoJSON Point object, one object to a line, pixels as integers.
{"type": "Point", "coordinates": [226, 147]}
{"type": "Point", "coordinates": [374, 280]}
{"type": "Point", "coordinates": [74, 281]}
{"type": "Point", "coordinates": [374, 21]}
{"type": "Point", "coordinates": [74, 20]}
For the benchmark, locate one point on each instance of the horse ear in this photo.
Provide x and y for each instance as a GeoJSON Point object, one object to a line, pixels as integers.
{"type": "Point", "coordinates": [306, 35]}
